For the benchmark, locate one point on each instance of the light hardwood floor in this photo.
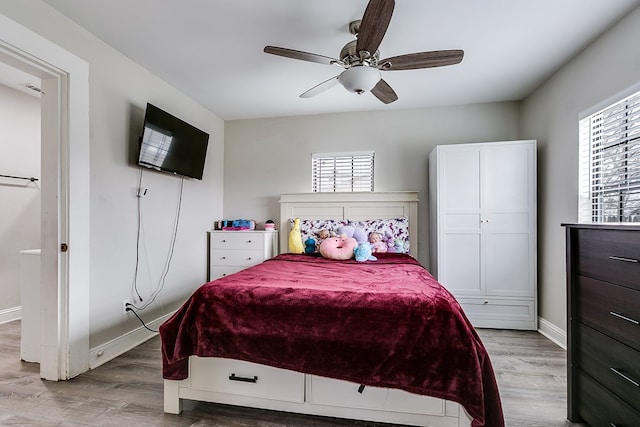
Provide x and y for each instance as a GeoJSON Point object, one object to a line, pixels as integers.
{"type": "Point", "coordinates": [127, 391]}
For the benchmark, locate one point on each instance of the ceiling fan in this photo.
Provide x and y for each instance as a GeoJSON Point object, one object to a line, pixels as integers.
{"type": "Point", "coordinates": [361, 58]}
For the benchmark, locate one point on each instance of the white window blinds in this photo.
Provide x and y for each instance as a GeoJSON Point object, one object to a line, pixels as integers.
{"type": "Point", "coordinates": [610, 163]}
{"type": "Point", "coordinates": [338, 172]}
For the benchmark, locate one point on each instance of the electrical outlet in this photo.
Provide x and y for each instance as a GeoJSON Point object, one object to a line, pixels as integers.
{"type": "Point", "coordinates": [125, 302]}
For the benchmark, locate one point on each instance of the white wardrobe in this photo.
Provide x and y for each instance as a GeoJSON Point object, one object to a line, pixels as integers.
{"type": "Point", "coordinates": [482, 201]}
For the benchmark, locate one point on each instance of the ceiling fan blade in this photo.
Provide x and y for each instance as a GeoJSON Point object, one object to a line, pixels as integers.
{"type": "Point", "coordinates": [320, 87]}
{"type": "Point", "coordinates": [413, 61]}
{"type": "Point", "coordinates": [384, 92]}
{"type": "Point", "coordinates": [303, 56]}
{"type": "Point", "coordinates": [374, 24]}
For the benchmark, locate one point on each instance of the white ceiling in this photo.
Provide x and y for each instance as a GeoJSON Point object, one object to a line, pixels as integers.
{"type": "Point", "coordinates": [212, 49]}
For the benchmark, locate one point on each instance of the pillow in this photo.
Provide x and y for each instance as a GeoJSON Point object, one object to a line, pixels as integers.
{"type": "Point", "coordinates": [339, 248]}
{"type": "Point", "coordinates": [309, 228]}
{"type": "Point", "coordinates": [391, 230]}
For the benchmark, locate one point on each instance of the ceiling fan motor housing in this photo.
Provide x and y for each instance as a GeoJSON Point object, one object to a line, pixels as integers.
{"type": "Point", "coordinates": [350, 56]}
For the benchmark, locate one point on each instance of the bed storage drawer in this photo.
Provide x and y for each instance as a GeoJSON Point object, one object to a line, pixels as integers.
{"type": "Point", "coordinates": [246, 379]}
{"type": "Point", "coordinates": [331, 392]}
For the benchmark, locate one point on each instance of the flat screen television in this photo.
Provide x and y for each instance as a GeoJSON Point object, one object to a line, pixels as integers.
{"type": "Point", "coordinates": [171, 145]}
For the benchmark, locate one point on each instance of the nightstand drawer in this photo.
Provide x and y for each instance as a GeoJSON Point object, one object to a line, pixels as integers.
{"type": "Point", "coordinates": [232, 257]}
{"type": "Point", "coordinates": [237, 240]}
{"type": "Point", "coordinates": [612, 309]}
{"type": "Point", "coordinates": [609, 255]}
{"type": "Point", "coordinates": [610, 362]}
{"type": "Point", "coordinates": [219, 271]}
{"type": "Point", "coordinates": [599, 407]}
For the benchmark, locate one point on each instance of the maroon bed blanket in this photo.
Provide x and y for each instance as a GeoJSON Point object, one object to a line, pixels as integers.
{"type": "Point", "coordinates": [385, 323]}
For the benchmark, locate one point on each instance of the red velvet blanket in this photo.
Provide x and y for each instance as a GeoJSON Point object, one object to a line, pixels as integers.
{"type": "Point", "coordinates": [384, 323]}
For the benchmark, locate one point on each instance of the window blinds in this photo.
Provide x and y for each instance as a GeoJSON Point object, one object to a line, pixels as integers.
{"type": "Point", "coordinates": [340, 172]}
{"type": "Point", "coordinates": [610, 140]}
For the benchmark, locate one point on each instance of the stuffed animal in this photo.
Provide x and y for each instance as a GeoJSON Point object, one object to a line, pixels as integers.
{"type": "Point", "coordinates": [350, 231]}
{"type": "Point", "coordinates": [340, 248]}
{"type": "Point", "coordinates": [309, 246]}
{"type": "Point", "coordinates": [377, 245]}
{"type": "Point", "coordinates": [396, 246]}
{"type": "Point", "coordinates": [295, 238]}
{"type": "Point", "coordinates": [363, 253]}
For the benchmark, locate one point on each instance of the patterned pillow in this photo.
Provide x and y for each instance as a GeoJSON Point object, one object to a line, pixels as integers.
{"type": "Point", "coordinates": [392, 231]}
{"type": "Point", "coordinates": [309, 228]}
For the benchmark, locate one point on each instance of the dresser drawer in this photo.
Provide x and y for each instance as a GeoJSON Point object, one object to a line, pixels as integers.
{"type": "Point", "coordinates": [599, 407]}
{"type": "Point", "coordinates": [609, 255]}
{"type": "Point", "coordinates": [247, 379]}
{"type": "Point", "coordinates": [225, 257]}
{"type": "Point", "coordinates": [237, 240]}
{"type": "Point", "coordinates": [220, 271]}
{"type": "Point", "coordinates": [611, 363]}
{"type": "Point", "coordinates": [612, 309]}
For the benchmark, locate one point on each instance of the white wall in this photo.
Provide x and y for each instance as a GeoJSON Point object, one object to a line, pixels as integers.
{"type": "Point", "coordinates": [610, 65]}
{"type": "Point", "coordinates": [119, 91]}
{"type": "Point", "coordinates": [267, 157]}
{"type": "Point", "coordinates": [20, 213]}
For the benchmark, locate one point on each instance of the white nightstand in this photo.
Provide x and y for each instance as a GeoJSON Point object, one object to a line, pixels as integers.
{"type": "Point", "coordinates": [232, 251]}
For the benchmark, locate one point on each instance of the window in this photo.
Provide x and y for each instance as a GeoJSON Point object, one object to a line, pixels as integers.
{"type": "Point", "coordinates": [610, 163]}
{"type": "Point", "coordinates": [335, 172]}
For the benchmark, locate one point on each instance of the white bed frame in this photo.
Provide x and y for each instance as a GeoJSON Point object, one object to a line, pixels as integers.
{"type": "Point", "coordinates": [282, 390]}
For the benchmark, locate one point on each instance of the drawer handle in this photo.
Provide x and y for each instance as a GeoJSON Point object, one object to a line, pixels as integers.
{"type": "Point", "coordinates": [623, 259]}
{"type": "Point", "coordinates": [223, 241]}
{"type": "Point", "coordinates": [248, 241]}
{"type": "Point", "coordinates": [224, 257]}
{"type": "Point", "coordinates": [635, 383]}
{"type": "Point", "coordinates": [233, 377]}
{"type": "Point", "coordinates": [249, 259]}
{"type": "Point", "coordinates": [620, 316]}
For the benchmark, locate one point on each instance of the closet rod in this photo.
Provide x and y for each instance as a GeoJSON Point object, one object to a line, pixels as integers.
{"type": "Point", "coordinates": [32, 179]}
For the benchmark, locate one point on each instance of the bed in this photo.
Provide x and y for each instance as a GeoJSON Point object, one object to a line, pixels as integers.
{"type": "Point", "coordinates": [377, 340]}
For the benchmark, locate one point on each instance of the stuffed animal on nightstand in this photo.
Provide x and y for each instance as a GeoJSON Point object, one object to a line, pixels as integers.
{"type": "Point", "coordinates": [295, 238]}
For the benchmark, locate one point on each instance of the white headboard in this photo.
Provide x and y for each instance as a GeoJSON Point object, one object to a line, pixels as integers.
{"type": "Point", "coordinates": [350, 206]}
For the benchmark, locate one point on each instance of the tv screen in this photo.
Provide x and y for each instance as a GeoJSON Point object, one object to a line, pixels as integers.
{"type": "Point", "coordinates": [172, 145]}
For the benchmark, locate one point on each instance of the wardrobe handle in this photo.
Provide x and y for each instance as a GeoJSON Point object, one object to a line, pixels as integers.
{"type": "Point", "coordinates": [623, 259]}
{"type": "Point", "coordinates": [620, 316]}
{"type": "Point", "coordinates": [635, 383]}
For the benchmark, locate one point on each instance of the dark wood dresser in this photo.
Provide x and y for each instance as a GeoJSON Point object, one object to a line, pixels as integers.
{"type": "Point", "coordinates": [603, 324]}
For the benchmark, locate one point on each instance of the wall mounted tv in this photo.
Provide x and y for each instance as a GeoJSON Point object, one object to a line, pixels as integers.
{"type": "Point", "coordinates": [172, 145]}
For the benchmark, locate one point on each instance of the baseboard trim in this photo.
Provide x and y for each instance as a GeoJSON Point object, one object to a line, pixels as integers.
{"type": "Point", "coordinates": [110, 350]}
{"type": "Point", "coordinates": [552, 332]}
{"type": "Point", "coordinates": [10, 314]}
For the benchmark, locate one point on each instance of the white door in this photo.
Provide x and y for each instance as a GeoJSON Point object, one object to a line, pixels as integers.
{"type": "Point", "coordinates": [509, 223]}
{"type": "Point", "coordinates": [460, 196]}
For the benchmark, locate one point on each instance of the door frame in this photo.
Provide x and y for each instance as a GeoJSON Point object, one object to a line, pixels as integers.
{"type": "Point", "coordinates": [65, 201]}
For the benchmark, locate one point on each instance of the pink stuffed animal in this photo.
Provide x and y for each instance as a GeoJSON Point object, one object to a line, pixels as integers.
{"type": "Point", "coordinates": [340, 248]}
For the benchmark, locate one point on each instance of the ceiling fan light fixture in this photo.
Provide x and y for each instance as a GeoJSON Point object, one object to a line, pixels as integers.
{"type": "Point", "coordinates": [359, 78]}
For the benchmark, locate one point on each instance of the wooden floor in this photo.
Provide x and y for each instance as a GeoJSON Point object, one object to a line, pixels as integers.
{"type": "Point", "coordinates": [127, 391]}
